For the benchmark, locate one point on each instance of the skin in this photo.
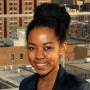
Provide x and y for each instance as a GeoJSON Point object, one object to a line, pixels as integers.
{"type": "Point", "coordinates": [44, 51]}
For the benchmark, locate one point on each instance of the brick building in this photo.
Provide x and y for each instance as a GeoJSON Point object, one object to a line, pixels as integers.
{"type": "Point", "coordinates": [13, 14]}
{"type": "Point", "coordinates": [13, 56]}
{"type": "Point", "coordinates": [1, 19]}
{"type": "Point", "coordinates": [82, 52]}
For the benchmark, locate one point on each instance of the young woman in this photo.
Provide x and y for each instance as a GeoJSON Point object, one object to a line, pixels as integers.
{"type": "Point", "coordinates": [46, 37]}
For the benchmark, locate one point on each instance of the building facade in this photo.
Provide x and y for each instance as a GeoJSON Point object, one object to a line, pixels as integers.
{"type": "Point", "coordinates": [16, 13]}
{"type": "Point", "coordinates": [43, 1]}
{"type": "Point", "coordinates": [26, 7]}
{"type": "Point", "coordinates": [13, 56]}
{"type": "Point", "coordinates": [61, 2]}
{"type": "Point", "coordinates": [69, 1]}
{"type": "Point", "coordinates": [82, 52]}
{"type": "Point", "coordinates": [86, 1]}
{"type": "Point", "coordinates": [1, 19]}
{"type": "Point", "coordinates": [12, 7]}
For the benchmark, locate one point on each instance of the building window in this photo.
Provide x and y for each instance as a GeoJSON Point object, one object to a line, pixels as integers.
{"type": "Point", "coordinates": [15, 3]}
{"type": "Point", "coordinates": [1, 23]}
{"type": "Point", "coordinates": [21, 56]}
{"type": "Point", "coordinates": [10, 8]}
{"type": "Point", "coordinates": [0, 28]}
{"type": "Point", "coordinates": [12, 57]}
{"type": "Point", "coordinates": [15, 8]}
{"type": "Point", "coordinates": [10, 3]}
{"type": "Point", "coordinates": [30, 3]}
{"type": "Point", "coordinates": [0, 33]}
{"type": "Point", "coordinates": [26, 3]}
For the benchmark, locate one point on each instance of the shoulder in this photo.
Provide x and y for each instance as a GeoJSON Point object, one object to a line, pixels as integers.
{"type": "Point", "coordinates": [27, 82]}
{"type": "Point", "coordinates": [77, 83]}
{"type": "Point", "coordinates": [72, 82]}
{"type": "Point", "coordinates": [29, 79]}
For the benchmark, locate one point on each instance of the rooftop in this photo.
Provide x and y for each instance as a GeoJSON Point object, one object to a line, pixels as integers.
{"type": "Point", "coordinates": [80, 68]}
{"type": "Point", "coordinates": [11, 76]}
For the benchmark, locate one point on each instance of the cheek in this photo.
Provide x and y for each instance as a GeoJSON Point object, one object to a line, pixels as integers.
{"type": "Point", "coordinates": [31, 57]}
{"type": "Point", "coordinates": [53, 58]}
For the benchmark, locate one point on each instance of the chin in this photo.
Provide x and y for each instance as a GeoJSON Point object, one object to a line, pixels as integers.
{"type": "Point", "coordinates": [42, 73]}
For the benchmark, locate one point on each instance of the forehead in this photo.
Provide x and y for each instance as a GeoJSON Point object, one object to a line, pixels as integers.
{"type": "Point", "coordinates": [42, 34]}
{"type": "Point", "coordinates": [41, 30]}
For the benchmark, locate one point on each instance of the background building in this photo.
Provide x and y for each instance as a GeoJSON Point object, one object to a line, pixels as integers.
{"type": "Point", "coordinates": [64, 1]}
{"type": "Point", "coordinates": [26, 7]}
{"type": "Point", "coordinates": [43, 1]}
{"type": "Point", "coordinates": [12, 7]}
{"type": "Point", "coordinates": [1, 19]}
{"type": "Point", "coordinates": [16, 13]}
{"type": "Point", "coordinates": [13, 56]}
{"type": "Point", "coordinates": [82, 52]}
{"type": "Point", "coordinates": [86, 1]}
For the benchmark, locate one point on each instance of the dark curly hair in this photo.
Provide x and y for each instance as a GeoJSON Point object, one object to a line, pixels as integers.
{"type": "Point", "coordinates": [52, 16]}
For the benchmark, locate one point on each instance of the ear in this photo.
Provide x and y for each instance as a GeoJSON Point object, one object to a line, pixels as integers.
{"type": "Point", "coordinates": [63, 48]}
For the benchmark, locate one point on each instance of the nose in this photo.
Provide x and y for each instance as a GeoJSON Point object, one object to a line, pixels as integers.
{"type": "Point", "coordinates": [39, 54]}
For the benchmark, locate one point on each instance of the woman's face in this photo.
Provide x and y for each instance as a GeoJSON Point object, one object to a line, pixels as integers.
{"type": "Point", "coordinates": [44, 50]}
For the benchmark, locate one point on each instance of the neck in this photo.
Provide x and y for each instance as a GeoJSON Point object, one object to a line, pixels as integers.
{"type": "Point", "coordinates": [51, 76]}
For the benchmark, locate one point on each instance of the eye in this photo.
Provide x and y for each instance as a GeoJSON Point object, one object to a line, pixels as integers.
{"type": "Point", "coordinates": [48, 48]}
{"type": "Point", "coordinates": [31, 48]}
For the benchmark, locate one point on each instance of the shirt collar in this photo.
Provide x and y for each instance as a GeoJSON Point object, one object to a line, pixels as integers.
{"type": "Point", "coordinates": [60, 80]}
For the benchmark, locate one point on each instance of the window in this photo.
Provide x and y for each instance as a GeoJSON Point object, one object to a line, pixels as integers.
{"type": "Point", "coordinates": [15, 8]}
{"type": "Point", "coordinates": [30, 3]}
{"type": "Point", "coordinates": [21, 56]}
{"type": "Point", "coordinates": [10, 3]}
{"type": "Point", "coordinates": [26, 3]}
{"type": "Point", "coordinates": [0, 28]}
{"type": "Point", "coordinates": [12, 57]}
{"type": "Point", "coordinates": [0, 33]}
{"type": "Point", "coordinates": [15, 3]}
{"type": "Point", "coordinates": [10, 8]}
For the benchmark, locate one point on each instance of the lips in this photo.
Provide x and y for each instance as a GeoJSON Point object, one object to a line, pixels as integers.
{"type": "Point", "coordinates": [41, 64]}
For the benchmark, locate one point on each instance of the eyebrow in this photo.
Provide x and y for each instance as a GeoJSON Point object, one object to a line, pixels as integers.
{"type": "Point", "coordinates": [48, 43]}
{"type": "Point", "coordinates": [30, 43]}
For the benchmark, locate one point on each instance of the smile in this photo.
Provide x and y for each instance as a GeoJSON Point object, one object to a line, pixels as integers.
{"type": "Point", "coordinates": [41, 64]}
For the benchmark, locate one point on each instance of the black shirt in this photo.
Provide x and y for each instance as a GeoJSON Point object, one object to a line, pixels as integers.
{"type": "Point", "coordinates": [64, 81]}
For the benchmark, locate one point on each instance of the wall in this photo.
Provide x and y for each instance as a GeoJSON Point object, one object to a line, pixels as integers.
{"type": "Point", "coordinates": [80, 52]}
{"type": "Point", "coordinates": [13, 55]}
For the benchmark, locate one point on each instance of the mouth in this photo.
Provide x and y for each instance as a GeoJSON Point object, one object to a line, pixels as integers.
{"type": "Point", "coordinates": [41, 64]}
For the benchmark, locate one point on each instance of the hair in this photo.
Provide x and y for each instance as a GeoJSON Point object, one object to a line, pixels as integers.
{"type": "Point", "coordinates": [53, 16]}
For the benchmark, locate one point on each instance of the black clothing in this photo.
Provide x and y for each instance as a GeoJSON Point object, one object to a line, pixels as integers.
{"type": "Point", "coordinates": [64, 81]}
